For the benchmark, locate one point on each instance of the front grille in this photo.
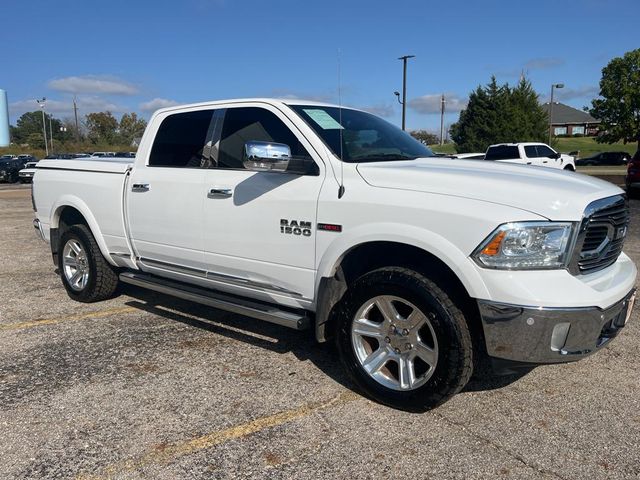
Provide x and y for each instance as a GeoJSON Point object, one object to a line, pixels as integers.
{"type": "Point", "coordinates": [601, 235]}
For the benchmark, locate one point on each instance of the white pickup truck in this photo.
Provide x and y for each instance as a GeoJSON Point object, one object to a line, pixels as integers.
{"type": "Point", "coordinates": [529, 153]}
{"type": "Point", "coordinates": [312, 215]}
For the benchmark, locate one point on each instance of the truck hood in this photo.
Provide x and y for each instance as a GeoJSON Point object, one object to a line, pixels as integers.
{"type": "Point", "coordinates": [554, 194]}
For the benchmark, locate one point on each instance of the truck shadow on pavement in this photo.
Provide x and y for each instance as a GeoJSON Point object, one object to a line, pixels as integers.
{"type": "Point", "coordinates": [275, 338]}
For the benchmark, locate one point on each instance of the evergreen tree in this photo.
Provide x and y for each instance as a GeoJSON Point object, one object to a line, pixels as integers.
{"type": "Point", "coordinates": [499, 114]}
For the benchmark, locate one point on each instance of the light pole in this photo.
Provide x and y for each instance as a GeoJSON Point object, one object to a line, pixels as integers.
{"type": "Point", "coordinates": [553, 86]}
{"type": "Point", "coordinates": [44, 123]}
{"type": "Point", "coordinates": [442, 102]}
{"type": "Point", "coordinates": [51, 132]}
{"type": "Point", "coordinates": [404, 59]}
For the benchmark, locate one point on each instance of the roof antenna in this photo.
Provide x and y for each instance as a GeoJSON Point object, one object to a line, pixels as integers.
{"type": "Point", "coordinates": [341, 187]}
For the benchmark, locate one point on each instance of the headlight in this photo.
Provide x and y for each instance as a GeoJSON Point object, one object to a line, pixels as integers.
{"type": "Point", "coordinates": [526, 246]}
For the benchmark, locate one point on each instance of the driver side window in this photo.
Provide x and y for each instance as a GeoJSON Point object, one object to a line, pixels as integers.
{"type": "Point", "coordinates": [242, 125]}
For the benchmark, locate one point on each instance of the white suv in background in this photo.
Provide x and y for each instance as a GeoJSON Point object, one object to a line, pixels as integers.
{"type": "Point", "coordinates": [530, 153]}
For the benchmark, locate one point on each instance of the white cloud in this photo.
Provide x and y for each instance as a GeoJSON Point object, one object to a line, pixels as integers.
{"type": "Point", "coordinates": [431, 103]}
{"type": "Point", "coordinates": [382, 110]}
{"type": "Point", "coordinates": [567, 93]}
{"type": "Point", "coordinates": [86, 104]}
{"type": "Point", "coordinates": [93, 84]}
{"type": "Point", "coordinates": [543, 63]}
{"type": "Point", "coordinates": [156, 103]}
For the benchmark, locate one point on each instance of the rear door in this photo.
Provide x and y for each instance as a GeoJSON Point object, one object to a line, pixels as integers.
{"type": "Point", "coordinates": [504, 153]}
{"type": "Point", "coordinates": [165, 197]}
{"type": "Point", "coordinates": [259, 227]}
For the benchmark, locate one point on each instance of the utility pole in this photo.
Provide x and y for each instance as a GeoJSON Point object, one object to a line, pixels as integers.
{"type": "Point", "coordinates": [404, 59]}
{"type": "Point", "coordinates": [442, 102]}
{"type": "Point", "coordinates": [553, 86]}
{"type": "Point", "coordinates": [51, 132]}
{"type": "Point", "coordinates": [75, 114]}
{"type": "Point", "coordinates": [44, 123]}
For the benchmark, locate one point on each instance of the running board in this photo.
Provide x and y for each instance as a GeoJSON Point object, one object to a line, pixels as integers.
{"type": "Point", "coordinates": [298, 320]}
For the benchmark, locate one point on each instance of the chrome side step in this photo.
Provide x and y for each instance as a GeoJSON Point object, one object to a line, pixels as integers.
{"type": "Point", "coordinates": [297, 320]}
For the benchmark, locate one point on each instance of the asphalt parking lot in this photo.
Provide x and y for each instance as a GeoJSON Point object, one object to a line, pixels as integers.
{"type": "Point", "coordinates": [145, 386]}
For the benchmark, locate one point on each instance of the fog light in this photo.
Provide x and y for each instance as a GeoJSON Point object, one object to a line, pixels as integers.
{"type": "Point", "coordinates": [559, 336]}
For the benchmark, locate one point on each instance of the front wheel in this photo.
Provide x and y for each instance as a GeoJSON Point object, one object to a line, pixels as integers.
{"type": "Point", "coordinates": [403, 340]}
{"type": "Point", "coordinates": [86, 275]}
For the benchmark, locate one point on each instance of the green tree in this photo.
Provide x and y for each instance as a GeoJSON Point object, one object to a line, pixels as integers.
{"type": "Point", "coordinates": [29, 128]}
{"type": "Point", "coordinates": [619, 108]}
{"type": "Point", "coordinates": [101, 127]}
{"type": "Point", "coordinates": [131, 126]}
{"type": "Point", "coordinates": [425, 137]}
{"type": "Point", "coordinates": [497, 114]}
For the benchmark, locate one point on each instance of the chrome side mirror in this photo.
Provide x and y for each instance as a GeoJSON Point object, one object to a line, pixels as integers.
{"type": "Point", "coordinates": [266, 156]}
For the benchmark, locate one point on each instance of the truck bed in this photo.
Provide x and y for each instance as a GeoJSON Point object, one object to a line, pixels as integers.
{"type": "Point", "coordinates": [94, 187]}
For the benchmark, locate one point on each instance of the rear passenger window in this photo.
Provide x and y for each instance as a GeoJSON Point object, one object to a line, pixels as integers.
{"type": "Point", "coordinates": [183, 140]}
{"type": "Point", "coordinates": [502, 152]}
{"type": "Point", "coordinates": [530, 151]}
{"type": "Point", "coordinates": [242, 125]}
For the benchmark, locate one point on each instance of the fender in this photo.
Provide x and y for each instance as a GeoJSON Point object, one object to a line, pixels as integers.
{"type": "Point", "coordinates": [421, 238]}
{"type": "Point", "coordinates": [77, 203]}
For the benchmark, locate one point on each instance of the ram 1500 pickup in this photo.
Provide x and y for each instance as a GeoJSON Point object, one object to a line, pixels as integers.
{"type": "Point", "coordinates": [312, 215]}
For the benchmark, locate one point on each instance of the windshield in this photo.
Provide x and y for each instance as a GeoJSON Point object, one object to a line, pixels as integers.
{"type": "Point", "coordinates": [365, 137]}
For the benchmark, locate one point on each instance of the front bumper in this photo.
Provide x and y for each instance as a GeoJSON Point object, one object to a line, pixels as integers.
{"type": "Point", "coordinates": [537, 335]}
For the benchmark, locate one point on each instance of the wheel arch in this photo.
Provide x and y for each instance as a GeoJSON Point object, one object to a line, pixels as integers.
{"type": "Point", "coordinates": [69, 211]}
{"type": "Point", "coordinates": [366, 256]}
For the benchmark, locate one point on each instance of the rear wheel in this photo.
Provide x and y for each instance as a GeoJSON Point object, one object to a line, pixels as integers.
{"type": "Point", "coordinates": [85, 273]}
{"type": "Point", "coordinates": [403, 340]}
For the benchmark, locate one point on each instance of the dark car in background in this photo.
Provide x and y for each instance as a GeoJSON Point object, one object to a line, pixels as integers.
{"type": "Point", "coordinates": [25, 158]}
{"type": "Point", "coordinates": [605, 158]}
{"type": "Point", "coordinates": [9, 168]}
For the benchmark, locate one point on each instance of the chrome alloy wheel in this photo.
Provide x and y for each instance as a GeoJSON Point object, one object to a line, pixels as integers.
{"type": "Point", "coordinates": [75, 265]}
{"type": "Point", "coordinates": [394, 342]}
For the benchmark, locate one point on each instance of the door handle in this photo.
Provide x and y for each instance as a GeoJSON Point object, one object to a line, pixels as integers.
{"type": "Point", "coordinates": [140, 187]}
{"type": "Point", "coordinates": [220, 192]}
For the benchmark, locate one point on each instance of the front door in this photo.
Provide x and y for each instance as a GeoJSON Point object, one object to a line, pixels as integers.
{"type": "Point", "coordinates": [259, 227]}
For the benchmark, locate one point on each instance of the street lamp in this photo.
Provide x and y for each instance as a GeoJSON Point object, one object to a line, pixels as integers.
{"type": "Point", "coordinates": [553, 86]}
{"type": "Point", "coordinates": [44, 123]}
{"type": "Point", "coordinates": [404, 59]}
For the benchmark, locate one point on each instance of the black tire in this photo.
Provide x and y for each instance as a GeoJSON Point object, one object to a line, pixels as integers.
{"type": "Point", "coordinates": [102, 280]}
{"type": "Point", "coordinates": [455, 352]}
{"type": "Point", "coordinates": [569, 168]}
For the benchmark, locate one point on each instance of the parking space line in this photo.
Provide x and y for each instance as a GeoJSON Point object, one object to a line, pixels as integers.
{"type": "Point", "coordinates": [165, 454]}
{"type": "Point", "coordinates": [81, 316]}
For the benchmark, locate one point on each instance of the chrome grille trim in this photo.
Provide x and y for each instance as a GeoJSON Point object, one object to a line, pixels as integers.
{"type": "Point", "coordinates": [598, 245]}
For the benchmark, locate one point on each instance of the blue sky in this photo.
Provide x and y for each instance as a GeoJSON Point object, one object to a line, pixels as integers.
{"type": "Point", "coordinates": [138, 55]}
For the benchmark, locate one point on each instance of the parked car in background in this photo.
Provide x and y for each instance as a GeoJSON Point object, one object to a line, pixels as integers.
{"type": "Point", "coordinates": [9, 167]}
{"type": "Point", "coordinates": [81, 155]}
{"type": "Point", "coordinates": [103, 154]}
{"type": "Point", "coordinates": [126, 154]}
{"type": "Point", "coordinates": [468, 156]}
{"type": "Point", "coordinates": [605, 158]}
{"type": "Point", "coordinates": [632, 180]}
{"type": "Point", "coordinates": [26, 158]}
{"type": "Point", "coordinates": [529, 153]}
{"type": "Point", "coordinates": [26, 174]}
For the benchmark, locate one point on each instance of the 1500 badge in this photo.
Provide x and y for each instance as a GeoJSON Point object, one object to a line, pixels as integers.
{"type": "Point", "coordinates": [295, 227]}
